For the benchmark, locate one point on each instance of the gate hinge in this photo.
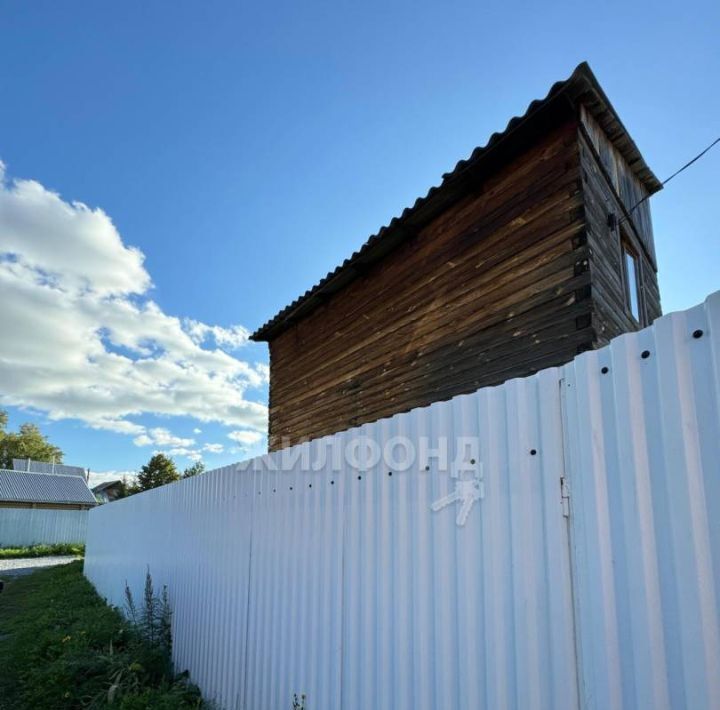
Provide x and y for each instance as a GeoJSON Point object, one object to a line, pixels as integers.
{"type": "Point", "coordinates": [565, 496]}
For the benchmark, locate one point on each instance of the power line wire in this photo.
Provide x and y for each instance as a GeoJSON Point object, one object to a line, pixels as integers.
{"type": "Point", "coordinates": [667, 180]}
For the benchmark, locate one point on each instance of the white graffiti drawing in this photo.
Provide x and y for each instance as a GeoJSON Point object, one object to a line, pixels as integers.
{"type": "Point", "coordinates": [466, 493]}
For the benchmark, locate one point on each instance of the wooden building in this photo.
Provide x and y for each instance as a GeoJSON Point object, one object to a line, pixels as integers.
{"type": "Point", "coordinates": [535, 248]}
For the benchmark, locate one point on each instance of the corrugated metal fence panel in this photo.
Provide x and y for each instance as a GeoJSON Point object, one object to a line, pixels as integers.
{"type": "Point", "coordinates": [295, 610]}
{"type": "Point", "coordinates": [644, 466]}
{"type": "Point", "coordinates": [194, 537]}
{"type": "Point", "coordinates": [359, 594]}
{"type": "Point", "coordinates": [344, 584]}
{"type": "Point", "coordinates": [34, 526]}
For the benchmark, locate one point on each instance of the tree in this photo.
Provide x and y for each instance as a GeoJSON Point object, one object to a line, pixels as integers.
{"type": "Point", "coordinates": [124, 488]}
{"type": "Point", "coordinates": [28, 443]}
{"type": "Point", "coordinates": [158, 471]}
{"type": "Point", "coordinates": [197, 468]}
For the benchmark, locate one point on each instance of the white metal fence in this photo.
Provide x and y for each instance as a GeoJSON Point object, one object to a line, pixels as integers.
{"type": "Point", "coordinates": [585, 573]}
{"type": "Point", "coordinates": [644, 464]}
{"type": "Point", "coordinates": [33, 526]}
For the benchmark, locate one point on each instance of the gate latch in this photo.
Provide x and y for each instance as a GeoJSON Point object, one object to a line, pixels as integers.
{"type": "Point", "coordinates": [565, 496]}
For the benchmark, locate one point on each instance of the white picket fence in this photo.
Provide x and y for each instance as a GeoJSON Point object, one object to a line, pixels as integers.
{"type": "Point", "coordinates": [37, 526]}
{"type": "Point", "coordinates": [586, 573]}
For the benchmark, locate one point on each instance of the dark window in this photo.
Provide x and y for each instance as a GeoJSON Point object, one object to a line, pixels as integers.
{"type": "Point", "coordinates": [631, 280]}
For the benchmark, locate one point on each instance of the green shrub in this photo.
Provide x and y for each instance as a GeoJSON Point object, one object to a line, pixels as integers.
{"type": "Point", "coordinates": [63, 647]}
{"type": "Point", "coordinates": [153, 622]}
{"type": "Point", "coordinates": [65, 548]}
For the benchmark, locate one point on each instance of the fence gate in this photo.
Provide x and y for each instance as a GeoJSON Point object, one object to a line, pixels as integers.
{"type": "Point", "coordinates": [438, 614]}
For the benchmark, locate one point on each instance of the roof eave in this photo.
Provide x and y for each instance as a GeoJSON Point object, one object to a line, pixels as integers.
{"type": "Point", "coordinates": [581, 87]}
{"type": "Point", "coordinates": [584, 88]}
{"type": "Point", "coordinates": [18, 501]}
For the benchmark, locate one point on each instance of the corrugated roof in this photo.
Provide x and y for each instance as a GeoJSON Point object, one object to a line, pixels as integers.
{"type": "Point", "coordinates": [102, 486]}
{"type": "Point", "coordinates": [42, 467]}
{"type": "Point", "coordinates": [581, 88]}
{"type": "Point", "coordinates": [24, 487]}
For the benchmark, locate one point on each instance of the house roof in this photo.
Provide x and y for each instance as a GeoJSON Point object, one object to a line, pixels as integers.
{"type": "Point", "coordinates": [27, 487]}
{"type": "Point", "coordinates": [103, 486]}
{"type": "Point", "coordinates": [42, 467]}
{"type": "Point", "coordinates": [581, 88]}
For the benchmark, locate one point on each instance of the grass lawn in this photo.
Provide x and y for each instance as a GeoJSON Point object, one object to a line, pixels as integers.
{"type": "Point", "coordinates": [15, 553]}
{"type": "Point", "coordinates": [61, 647]}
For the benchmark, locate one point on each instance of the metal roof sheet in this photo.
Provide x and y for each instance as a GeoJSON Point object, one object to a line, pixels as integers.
{"type": "Point", "coordinates": [581, 88]}
{"type": "Point", "coordinates": [107, 484]}
{"type": "Point", "coordinates": [25, 487]}
{"type": "Point", "coordinates": [43, 467]}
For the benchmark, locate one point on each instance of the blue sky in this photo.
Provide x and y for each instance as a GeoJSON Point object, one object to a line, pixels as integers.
{"type": "Point", "coordinates": [245, 150]}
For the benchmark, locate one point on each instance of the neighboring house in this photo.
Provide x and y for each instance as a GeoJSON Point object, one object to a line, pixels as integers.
{"type": "Point", "coordinates": [43, 503]}
{"type": "Point", "coordinates": [108, 491]}
{"type": "Point", "coordinates": [537, 247]}
{"type": "Point", "coordinates": [32, 484]}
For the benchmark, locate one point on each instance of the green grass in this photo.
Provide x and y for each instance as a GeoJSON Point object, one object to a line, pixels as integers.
{"type": "Point", "coordinates": [65, 548]}
{"type": "Point", "coordinates": [62, 647]}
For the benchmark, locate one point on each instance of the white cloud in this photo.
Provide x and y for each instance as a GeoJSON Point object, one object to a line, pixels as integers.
{"type": "Point", "coordinates": [70, 244]}
{"type": "Point", "coordinates": [246, 437]}
{"type": "Point", "coordinates": [161, 437]}
{"type": "Point", "coordinates": [263, 371]}
{"type": "Point", "coordinates": [197, 431]}
{"type": "Point", "coordinates": [98, 477]}
{"type": "Point", "coordinates": [120, 426]}
{"type": "Point", "coordinates": [214, 448]}
{"type": "Point", "coordinates": [192, 454]}
{"type": "Point", "coordinates": [234, 337]}
{"type": "Point", "coordinates": [81, 338]}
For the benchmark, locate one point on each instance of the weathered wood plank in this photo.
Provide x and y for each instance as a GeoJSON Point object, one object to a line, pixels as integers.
{"type": "Point", "coordinates": [488, 290]}
{"type": "Point", "coordinates": [520, 274]}
{"type": "Point", "coordinates": [611, 314]}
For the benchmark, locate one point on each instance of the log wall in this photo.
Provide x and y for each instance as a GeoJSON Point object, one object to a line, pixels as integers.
{"type": "Point", "coordinates": [611, 314]}
{"type": "Point", "coordinates": [496, 287]}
